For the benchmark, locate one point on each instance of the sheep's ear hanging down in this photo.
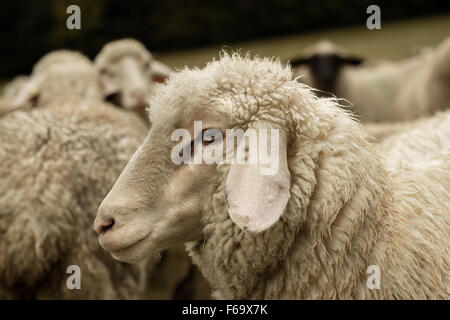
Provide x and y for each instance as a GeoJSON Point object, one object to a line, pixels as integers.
{"type": "Point", "coordinates": [24, 97]}
{"type": "Point", "coordinates": [256, 198]}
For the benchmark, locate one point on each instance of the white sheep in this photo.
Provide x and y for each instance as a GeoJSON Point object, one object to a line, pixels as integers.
{"type": "Point", "coordinates": [418, 140]}
{"type": "Point", "coordinates": [312, 229]}
{"type": "Point", "coordinates": [67, 82]}
{"type": "Point", "coordinates": [383, 130]}
{"type": "Point", "coordinates": [428, 88]}
{"type": "Point", "coordinates": [55, 169]}
{"type": "Point", "coordinates": [58, 76]}
{"type": "Point", "coordinates": [128, 73]}
{"type": "Point", "coordinates": [389, 131]}
{"type": "Point", "coordinates": [13, 87]}
{"type": "Point", "coordinates": [21, 85]}
{"type": "Point", "coordinates": [57, 162]}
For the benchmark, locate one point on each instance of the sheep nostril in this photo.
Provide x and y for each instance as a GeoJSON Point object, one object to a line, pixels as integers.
{"type": "Point", "coordinates": [105, 226]}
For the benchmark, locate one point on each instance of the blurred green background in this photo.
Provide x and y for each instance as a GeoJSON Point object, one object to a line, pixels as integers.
{"type": "Point", "coordinates": [191, 32]}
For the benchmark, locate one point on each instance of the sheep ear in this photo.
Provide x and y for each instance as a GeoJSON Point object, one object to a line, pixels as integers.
{"type": "Point", "coordinates": [160, 72]}
{"type": "Point", "coordinates": [29, 91]}
{"type": "Point", "coordinates": [354, 61]}
{"type": "Point", "coordinates": [299, 61]}
{"type": "Point", "coordinates": [256, 196]}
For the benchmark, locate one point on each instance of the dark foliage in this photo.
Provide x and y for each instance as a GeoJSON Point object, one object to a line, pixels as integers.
{"type": "Point", "coordinates": [32, 28]}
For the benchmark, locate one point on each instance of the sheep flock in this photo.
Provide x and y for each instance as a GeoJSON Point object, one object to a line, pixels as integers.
{"type": "Point", "coordinates": [361, 185]}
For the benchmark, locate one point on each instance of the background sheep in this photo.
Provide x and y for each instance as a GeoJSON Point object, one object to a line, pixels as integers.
{"type": "Point", "coordinates": [313, 228]}
{"type": "Point", "coordinates": [371, 88]}
{"type": "Point", "coordinates": [58, 161]}
{"type": "Point", "coordinates": [57, 77]}
{"type": "Point", "coordinates": [427, 90]}
{"type": "Point", "coordinates": [13, 87]}
{"type": "Point", "coordinates": [391, 130]}
{"type": "Point", "coordinates": [382, 130]}
{"type": "Point", "coordinates": [321, 64]}
{"type": "Point", "coordinates": [425, 93]}
{"type": "Point", "coordinates": [68, 80]}
{"type": "Point", "coordinates": [56, 168]}
{"type": "Point", "coordinates": [127, 73]}
{"type": "Point", "coordinates": [418, 140]}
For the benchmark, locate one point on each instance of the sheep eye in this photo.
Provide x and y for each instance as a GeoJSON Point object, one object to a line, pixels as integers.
{"type": "Point", "coordinates": [206, 140]}
{"type": "Point", "coordinates": [210, 137]}
{"type": "Point", "coordinates": [147, 65]}
{"type": "Point", "coordinates": [205, 143]}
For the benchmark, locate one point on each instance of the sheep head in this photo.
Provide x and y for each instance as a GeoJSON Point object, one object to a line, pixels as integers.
{"type": "Point", "coordinates": [324, 62]}
{"type": "Point", "coordinates": [127, 72]}
{"type": "Point", "coordinates": [157, 202]}
{"type": "Point", "coordinates": [57, 77]}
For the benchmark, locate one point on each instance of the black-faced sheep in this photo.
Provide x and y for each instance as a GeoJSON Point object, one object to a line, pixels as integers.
{"type": "Point", "coordinates": [380, 91]}
{"type": "Point", "coordinates": [321, 64]}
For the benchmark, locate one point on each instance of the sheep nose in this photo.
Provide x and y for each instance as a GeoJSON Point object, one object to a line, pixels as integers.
{"type": "Point", "coordinates": [103, 224]}
{"type": "Point", "coordinates": [138, 94]}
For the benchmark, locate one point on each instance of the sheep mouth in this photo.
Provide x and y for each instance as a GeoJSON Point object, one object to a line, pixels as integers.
{"type": "Point", "coordinates": [118, 252]}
